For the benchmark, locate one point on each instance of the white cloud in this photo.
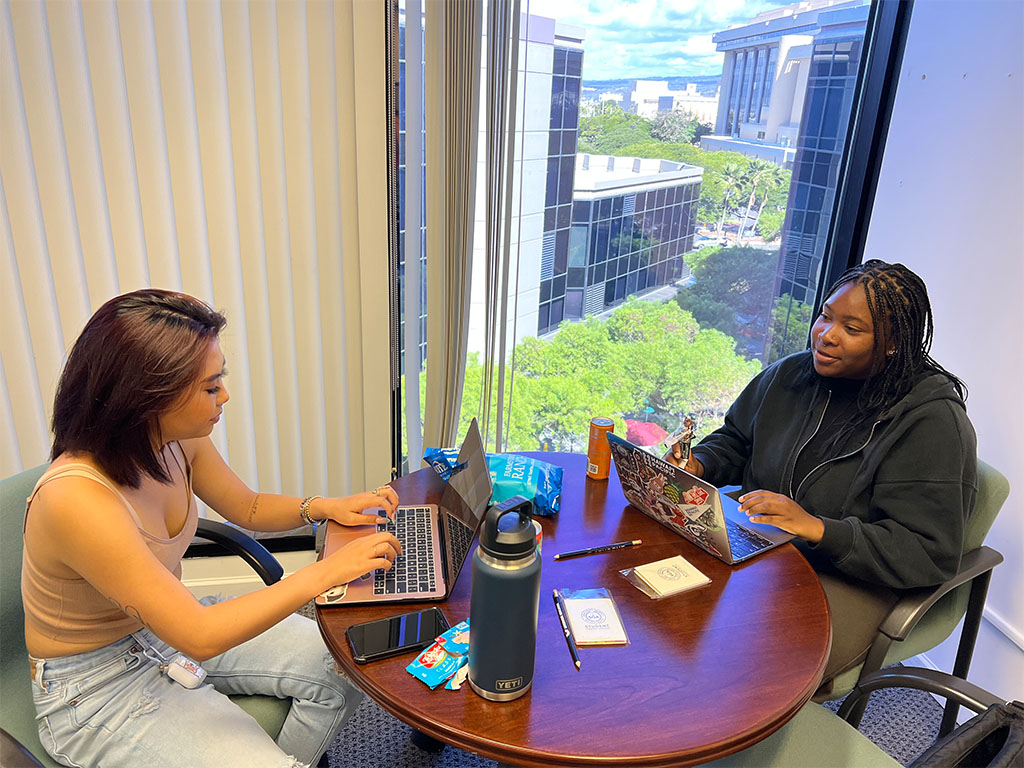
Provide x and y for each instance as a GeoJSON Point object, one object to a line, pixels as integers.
{"type": "Point", "coordinates": [619, 33]}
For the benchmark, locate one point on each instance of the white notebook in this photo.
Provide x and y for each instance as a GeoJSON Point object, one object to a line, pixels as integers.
{"type": "Point", "coordinates": [594, 621]}
{"type": "Point", "coordinates": [671, 575]}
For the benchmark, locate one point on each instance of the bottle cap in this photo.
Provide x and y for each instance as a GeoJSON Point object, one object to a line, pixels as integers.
{"type": "Point", "coordinates": [508, 532]}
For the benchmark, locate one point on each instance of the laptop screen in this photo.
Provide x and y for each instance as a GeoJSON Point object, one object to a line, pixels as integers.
{"type": "Point", "coordinates": [465, 498]}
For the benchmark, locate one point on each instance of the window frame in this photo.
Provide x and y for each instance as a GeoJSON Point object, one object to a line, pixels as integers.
{"type": "Point", "coordinates": [877, 81]}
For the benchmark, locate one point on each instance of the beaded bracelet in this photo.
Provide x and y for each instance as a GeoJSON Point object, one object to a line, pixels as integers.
{"type": "Point", "coordinates": [304, 510]}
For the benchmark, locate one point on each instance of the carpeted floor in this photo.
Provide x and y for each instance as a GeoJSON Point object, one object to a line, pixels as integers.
{"type": "Point", "coordinates": [903, 722]}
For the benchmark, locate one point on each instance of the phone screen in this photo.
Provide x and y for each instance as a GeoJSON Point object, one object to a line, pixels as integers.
{"type": "Point", "coordinates": [386, 637]}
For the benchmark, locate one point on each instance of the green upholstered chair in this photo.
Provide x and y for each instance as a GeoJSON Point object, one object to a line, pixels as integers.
{"type": "Point", "coordinates": [817, 738]}
{"type": "Point", "coordinates": [925, 617]}
{"type": "Point", "coordinates": [17, 713]}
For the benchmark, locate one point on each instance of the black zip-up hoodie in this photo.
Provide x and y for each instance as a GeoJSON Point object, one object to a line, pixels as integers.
{"type": "Point", "coordinates": [894, 497]}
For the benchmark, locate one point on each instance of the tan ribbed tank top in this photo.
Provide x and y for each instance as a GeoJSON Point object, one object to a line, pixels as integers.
{"type": "Point", "coordinates": [70, 610]}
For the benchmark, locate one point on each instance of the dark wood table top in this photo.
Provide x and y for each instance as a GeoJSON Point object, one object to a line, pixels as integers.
{"type": "Point", "coordinates": [707, 672]}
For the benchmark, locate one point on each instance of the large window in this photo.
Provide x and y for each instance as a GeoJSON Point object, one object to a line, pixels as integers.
{"type": "Point", "coordinates": [675, 209]}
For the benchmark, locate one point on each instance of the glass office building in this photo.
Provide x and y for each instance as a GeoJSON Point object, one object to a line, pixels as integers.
{"type": "Point", "coordinates": [550, 66]}
{"type": "Point", "coordinates": [831, 82]}
{"type": "Point", "coordinates": [561, 167]}
{"type": "Point", "coordinates": [632, 220]}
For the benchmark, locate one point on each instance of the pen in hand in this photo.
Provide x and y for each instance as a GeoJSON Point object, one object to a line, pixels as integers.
{"type": "Point", "coordinates": [565, 629]}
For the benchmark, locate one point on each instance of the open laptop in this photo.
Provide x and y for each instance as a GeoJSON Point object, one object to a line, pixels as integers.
{"type": "Point", "coordinates": [690, 506]}
{"type": "Point", "coordinates": [436, 539]}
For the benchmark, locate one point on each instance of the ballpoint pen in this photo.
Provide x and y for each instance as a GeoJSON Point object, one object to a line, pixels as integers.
{"type": "Point", "coordinates": [565, 629]}
{"type": "Point", "coordinates": [598, 550]}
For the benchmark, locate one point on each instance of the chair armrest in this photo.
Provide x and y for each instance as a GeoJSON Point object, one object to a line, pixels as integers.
{"type": "Point", "coordinates": [13, 752]}
{"type": "Point", "coordinates": [948, 686]}
{"type": "Point", "coordinates": [239, 543]}
{"type": "Point", "coordinates": [909, 610]}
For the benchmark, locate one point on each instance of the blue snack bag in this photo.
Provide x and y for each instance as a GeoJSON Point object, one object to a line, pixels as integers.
{"type": "Point", "coordinates": [511, 475]}
{"type": "Point", "coordinates": [514, 475]}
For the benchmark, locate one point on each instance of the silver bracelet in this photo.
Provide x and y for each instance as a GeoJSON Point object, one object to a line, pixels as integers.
{"type": "Point", "coordinates": [304, 510]}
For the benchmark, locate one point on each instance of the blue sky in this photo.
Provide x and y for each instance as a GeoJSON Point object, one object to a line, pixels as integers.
{"type": "Point", "coordinates": [651, 38]}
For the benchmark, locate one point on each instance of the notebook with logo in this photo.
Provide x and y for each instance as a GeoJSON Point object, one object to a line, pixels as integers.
{"type": "Point", "coordinates": [690, 506]}
{"type": "Point", "coordinates": [436, 539]}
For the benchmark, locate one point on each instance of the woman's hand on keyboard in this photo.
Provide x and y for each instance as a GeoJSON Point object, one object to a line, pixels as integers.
{"type": "Point", "coordinates": [367, 508]}
{"type": "Point", "coordinates": [781, 511]}
{"type": "Point", "coordinates": [363, 555]}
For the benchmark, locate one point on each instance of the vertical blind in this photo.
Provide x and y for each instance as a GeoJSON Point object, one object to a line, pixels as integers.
{"type": "Point", "coordinates": [230, 150]}
{"type": "Point", "coordinates": [452, 54]}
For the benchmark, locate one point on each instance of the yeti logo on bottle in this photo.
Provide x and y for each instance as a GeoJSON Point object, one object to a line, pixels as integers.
{"type": "Point", "coordinates": [509, 685]}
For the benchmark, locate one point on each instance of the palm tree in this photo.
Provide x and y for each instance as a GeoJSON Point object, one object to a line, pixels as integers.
{"type": "Point", "coordinates": [772, 178]}
{"type": "Point", "coordinates": [732, 178]}
{"type": "Point", "coordinates": [755, 171]}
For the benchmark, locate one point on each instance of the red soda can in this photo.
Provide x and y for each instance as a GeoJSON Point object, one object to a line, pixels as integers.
{"type": "Point", "coordinates": [598, 453]}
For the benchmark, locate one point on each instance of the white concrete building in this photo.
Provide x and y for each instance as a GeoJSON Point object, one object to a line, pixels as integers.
{"type": "Point", "coordinates": [649, 97]}
{"type": "Point", "coordinates": [764, 80]}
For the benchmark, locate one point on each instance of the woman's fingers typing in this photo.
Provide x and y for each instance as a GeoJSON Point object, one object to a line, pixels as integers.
{"type": "Point", "coordinates": [365, 554]}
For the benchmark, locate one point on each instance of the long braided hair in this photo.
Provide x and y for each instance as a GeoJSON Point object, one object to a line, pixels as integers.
{"type": "Point", "coordinates": [902, 317]}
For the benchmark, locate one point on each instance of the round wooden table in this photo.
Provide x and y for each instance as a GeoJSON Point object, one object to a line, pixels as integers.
{"type": "Point", "coordinates": [707, 672]}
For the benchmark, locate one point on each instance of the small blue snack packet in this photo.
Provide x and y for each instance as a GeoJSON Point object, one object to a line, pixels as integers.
{"type": "Point", "coordinates": [456, 639]}
{"type": "Point", "coordinates": [514, 475]}
{"type": "Point", "coordinates": [435, 665]}
{"type": "Point", "coordinates": [442, 460]}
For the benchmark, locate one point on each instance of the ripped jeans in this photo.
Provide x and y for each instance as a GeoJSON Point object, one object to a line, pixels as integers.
{"type": "Point", "coordinates": [114, 707]}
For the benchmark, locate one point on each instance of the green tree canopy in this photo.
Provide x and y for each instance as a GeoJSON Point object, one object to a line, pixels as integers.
{"type": "Point", "coordinates": [608, 128]}
{"type": "Point", "coordinates": [732, 291]}
{"type": "Point", "coordinates": [769, 224]}
{"type": "Point", "coordinates": [645, 354]}
{"type": "Point", "coordinates": [791, 320]}
{"type": "Point", "coordinates": [674, 125]}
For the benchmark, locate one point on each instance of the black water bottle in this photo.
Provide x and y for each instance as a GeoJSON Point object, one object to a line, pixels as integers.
{"type": "Point", "coordinates": [503, 605]}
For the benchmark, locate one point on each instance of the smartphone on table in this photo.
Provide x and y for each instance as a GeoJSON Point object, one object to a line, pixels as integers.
{"type": "Point", "coordinates": [381, 638]}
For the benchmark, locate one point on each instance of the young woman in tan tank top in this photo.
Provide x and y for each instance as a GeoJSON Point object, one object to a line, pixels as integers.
{"type": "Point", "coordinates": [105, 531]}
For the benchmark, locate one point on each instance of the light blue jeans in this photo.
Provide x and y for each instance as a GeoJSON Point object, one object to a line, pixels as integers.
{"type": "Point", "coordinates": [114, 707]}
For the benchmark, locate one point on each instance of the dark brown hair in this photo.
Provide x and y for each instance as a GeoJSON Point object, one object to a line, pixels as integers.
{"type": "Point", "coordinates": [138, 355]}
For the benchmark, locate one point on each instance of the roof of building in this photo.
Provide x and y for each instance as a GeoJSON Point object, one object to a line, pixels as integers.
{"type": "Point", "coordinates": [604, 175]}
{"type": "Point", "coordinates": [795, 19]}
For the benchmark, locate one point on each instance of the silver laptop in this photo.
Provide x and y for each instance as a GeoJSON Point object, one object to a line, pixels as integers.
{"type": "Point", "coordinates": [690, 506]}
{"type": "Point", "coordinates": [436, 539]}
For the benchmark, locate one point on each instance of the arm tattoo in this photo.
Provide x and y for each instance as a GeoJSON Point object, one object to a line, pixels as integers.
{"type": "Point", "coordinates": [132, 611]}
{"type": "Point", "coordinates": [253, 507]}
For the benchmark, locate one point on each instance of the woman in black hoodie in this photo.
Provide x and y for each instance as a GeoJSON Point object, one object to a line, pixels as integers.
{"type": "Point", "coordinates": [861, 447]}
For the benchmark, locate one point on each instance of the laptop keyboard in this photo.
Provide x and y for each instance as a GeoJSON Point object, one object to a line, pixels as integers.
{"type": "Point", "coordinates": [744, 542]}
{"type": "Point", "coordinates": [460, 539]}
{"type": "Point", "coordinates": [413, 570]}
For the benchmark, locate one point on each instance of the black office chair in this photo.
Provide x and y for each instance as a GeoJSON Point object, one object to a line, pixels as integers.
{"type": "Point", "coordinates": [19, 737]}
